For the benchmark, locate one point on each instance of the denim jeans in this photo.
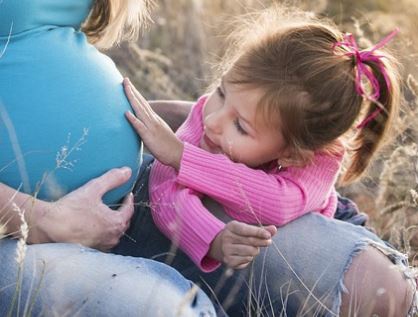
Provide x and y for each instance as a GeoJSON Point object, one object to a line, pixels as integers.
{"type": "Point", "coordinates": [300, 274]}
{"type": "Point", "coordinates": [71, 280]}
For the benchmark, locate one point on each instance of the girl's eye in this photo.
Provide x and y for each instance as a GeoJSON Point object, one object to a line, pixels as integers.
{"type": "Point", "coordinates": [220, 92]}
{"type": "Point", "coordinates": [239, 127]}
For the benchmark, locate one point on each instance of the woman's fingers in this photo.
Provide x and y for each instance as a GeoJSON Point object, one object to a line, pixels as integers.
{"type": "Point", "coordinates": [108, 181]}
{"type": "Point", "coordinates": [126, 211]}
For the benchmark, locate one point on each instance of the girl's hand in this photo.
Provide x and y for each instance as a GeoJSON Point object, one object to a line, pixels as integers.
{"type": "Point", "coordinates": [82, 217]}
{"type": "Point", "coordinates": [238, 243]}
{"type": "Point", "coordinates": [154, 132]}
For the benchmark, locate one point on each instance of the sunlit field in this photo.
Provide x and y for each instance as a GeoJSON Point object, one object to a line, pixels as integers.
{"type": "Point", "coordinates": [176, 55]}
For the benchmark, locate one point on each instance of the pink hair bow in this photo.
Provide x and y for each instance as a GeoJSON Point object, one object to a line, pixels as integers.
{"type": "Point", "coordinates": [363, 72]}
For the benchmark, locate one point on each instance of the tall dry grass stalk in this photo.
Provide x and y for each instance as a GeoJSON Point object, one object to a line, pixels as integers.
{"type": "Point", "coordinates": [2, 231]}
{"type": "Point", "coordinates": [24, 232]}
{"type": "Point", "coordinates": [20, 257]}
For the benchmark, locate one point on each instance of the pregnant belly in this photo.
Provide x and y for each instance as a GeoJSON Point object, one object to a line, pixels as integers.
{"type": "Point", "coordinates": [62, 116]}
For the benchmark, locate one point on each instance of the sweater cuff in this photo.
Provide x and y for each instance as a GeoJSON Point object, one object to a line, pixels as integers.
{"type": "Point", "coordinates": [200, 255]}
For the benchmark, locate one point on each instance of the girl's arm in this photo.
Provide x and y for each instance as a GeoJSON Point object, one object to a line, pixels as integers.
{"type": "Point", "coordinates": [79, 217]}
{"type": "Point", "coordinates": [179, 213]}
{"type": "Point", "coordinates": [250, 195]}
{"type": "Point", "coordinates": [255, 196]}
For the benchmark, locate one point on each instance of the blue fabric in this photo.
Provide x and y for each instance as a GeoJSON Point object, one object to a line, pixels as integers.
{"type": "Point", "coordinates": [348, 211]}
{"type": "Point", "coordinates": [63, 100]}
{"type": "Point", "coordinates": [70, 280]}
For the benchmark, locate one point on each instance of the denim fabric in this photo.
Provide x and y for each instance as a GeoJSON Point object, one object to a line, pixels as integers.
{"type": "Point", "coordinates": [301, 273]}
{"type": "Point", "coordinates": [70, 280]}
{"type": "Point", "coordinates": [348, 211]}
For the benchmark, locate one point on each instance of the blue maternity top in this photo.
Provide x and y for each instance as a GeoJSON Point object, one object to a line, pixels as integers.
{"type": "Point", "coordinates": [61, 102]}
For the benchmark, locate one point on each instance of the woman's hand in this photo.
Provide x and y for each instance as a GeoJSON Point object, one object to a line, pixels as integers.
{"type": "Point", "coordinates": [82, 217]}
{"type": "Point", "coordinates": [154, 132]}
{"type": "Point", "coordinates": [238, 243]}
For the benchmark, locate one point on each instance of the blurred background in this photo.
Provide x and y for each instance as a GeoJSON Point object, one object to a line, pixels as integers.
{"type": "Point", "coordinates": [173, 59]}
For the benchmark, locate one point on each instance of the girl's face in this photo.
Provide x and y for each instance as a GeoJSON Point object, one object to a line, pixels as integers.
{"type": "Point", "coordinates": [231, 127]}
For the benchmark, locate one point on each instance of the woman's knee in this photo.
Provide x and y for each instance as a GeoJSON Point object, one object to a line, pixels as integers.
{"type": "Point", "coordinates": [376, 286]}
{"type": "Point", "coordinates": [65, 279]}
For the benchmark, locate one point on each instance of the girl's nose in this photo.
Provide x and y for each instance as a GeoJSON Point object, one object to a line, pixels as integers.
{"type": "Point", "coordinates": [213, 123]}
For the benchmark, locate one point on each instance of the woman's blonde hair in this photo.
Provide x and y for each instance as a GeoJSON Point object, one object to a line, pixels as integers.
{"type": "Point", "coordinates": [291, 56]}
{"type": "Point", "coordinates": [111, 21]}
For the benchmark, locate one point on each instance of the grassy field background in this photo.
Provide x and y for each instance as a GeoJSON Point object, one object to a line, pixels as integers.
{"type": "Point", "coordinates": [174, 58]}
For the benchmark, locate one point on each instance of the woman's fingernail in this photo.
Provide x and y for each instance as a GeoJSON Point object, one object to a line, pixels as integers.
{"type": "Point", "coordinates": [126, 171]}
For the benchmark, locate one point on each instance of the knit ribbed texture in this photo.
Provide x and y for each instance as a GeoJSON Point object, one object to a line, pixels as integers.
{"type": "Point", "coordinates": [250, 195]}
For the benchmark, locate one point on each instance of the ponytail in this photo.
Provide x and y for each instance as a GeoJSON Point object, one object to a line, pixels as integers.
{"type": "Point", "coordinates": [379, 118]}
{"type": "Point", "coordinates": [111, 21]}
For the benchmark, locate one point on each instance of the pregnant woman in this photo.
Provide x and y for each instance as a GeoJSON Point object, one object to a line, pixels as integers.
{"type": "Point", "coordinates": [62, 124]}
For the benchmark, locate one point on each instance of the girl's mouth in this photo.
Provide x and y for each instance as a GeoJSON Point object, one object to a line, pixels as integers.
{"type": "Point", "coordinates": [208, 144]}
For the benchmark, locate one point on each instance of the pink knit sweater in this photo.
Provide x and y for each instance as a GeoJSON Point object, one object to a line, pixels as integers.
{"type": "Point", "coordinates": [254, 196]}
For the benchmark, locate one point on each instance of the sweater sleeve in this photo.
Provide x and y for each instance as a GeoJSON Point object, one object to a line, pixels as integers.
{"type": "Point", "coordinates": [255, 196]}
{"type": "Point", "coordinates": [179, 213]}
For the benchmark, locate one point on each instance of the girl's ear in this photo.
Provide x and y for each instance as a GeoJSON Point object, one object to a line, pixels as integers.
{"type": "Point", "coordinates": [298, 158]}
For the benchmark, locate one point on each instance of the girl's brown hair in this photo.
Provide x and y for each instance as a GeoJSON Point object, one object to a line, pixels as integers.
{"type": "Point", "coordinates": [111, 21]}
{"type": "Point", "coordinates": [310, 86]}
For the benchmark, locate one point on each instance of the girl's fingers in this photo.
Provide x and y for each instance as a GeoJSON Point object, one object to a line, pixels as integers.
{"type": "Point", "coordinates": [238, 262]}
{"type": "Point", "coordinates": [138, 125]}
{"type": "Point", "coordinates": [272, 229]}
{"type": "Point", "coordinates": [137, 93]}
{"type": "Point", "coordinates": [136, 105]}
{"type": "Point", "coordinates": [242, 266]}
{"type": "Point", "coordinates": [250, 241]}
{"type": "Point", "coordinates": [142, 102]}
{"type": "Point", "coordinates": [246, 230]}
{"type": "Point", "coordinates": [244, 250]}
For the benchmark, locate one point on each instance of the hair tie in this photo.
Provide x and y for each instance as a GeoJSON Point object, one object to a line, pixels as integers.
{"type": "Point", "coordinates": [360, 58]}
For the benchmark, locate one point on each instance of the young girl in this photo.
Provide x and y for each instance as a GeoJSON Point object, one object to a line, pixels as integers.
{"type": "Point", "coordinates": [266, 143]}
